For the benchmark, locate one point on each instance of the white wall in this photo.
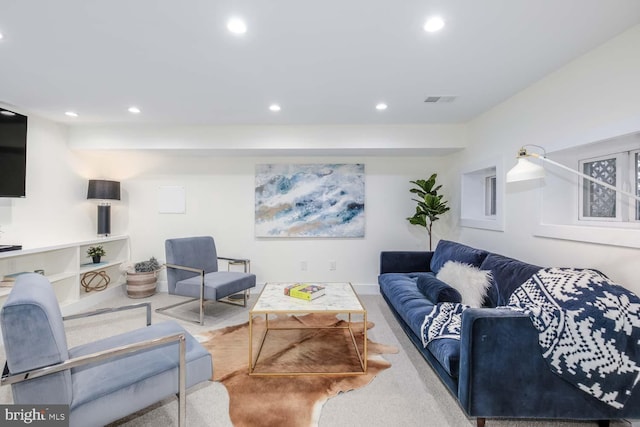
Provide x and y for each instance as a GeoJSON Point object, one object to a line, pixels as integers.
{"type": "Point", "coordinates": [55, 209]}
{"type": "Point", "coordinates": [216, 165]}
{"type": "Point", "coordinates": [592, 98]}
{"type": "Point", "coordinates": [220, 202]}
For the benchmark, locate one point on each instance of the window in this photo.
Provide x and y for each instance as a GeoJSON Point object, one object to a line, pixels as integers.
{"type": "Point", "coordinates": [598, 203]}
{"type": "Point", "coordinates": [574, 208]}
{"type": "Point", "coordinates": [490, 195]}
{"type": "Point", "coordinates": [482, 189]}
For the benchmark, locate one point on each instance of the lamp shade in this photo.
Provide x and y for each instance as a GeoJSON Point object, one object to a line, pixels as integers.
{"type": "Point", "coordinates": [525, 170]}
{"type": "Point", "coordinates": [103, 190]}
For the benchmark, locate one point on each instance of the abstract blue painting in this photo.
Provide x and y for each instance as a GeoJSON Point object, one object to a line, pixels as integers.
{"type": "Point", "coordinates": [309, 200]}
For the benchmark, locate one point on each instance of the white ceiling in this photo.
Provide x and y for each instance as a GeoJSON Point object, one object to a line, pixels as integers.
{"type": "Point", "coordinates": [324, 62]}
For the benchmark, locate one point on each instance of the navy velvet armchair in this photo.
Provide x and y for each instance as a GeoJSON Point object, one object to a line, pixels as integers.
{"type": "Point", "coordinates": [101, 381]}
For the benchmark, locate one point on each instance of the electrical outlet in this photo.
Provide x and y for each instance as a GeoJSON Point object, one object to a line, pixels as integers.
{"type": "Point", "coordinates": [332, 265]}
{"type": "Point", "coordinates": [303, 265]}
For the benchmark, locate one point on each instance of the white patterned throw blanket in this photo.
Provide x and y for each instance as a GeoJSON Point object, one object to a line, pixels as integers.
{"type": "Point", "coordinates": [589, 329]}
{"type": "Point", "coordinates": [444, 321]}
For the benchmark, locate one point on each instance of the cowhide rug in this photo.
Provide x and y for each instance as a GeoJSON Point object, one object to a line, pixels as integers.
{"type": "Point", "coordinates": [293, 401]}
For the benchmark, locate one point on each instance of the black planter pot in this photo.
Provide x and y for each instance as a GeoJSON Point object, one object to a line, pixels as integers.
{"type": "Point", "coordinates": [96, 259]}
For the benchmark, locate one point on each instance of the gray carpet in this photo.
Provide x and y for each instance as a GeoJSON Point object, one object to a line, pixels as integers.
{"type": "Point", "coordinates": [407, 394]}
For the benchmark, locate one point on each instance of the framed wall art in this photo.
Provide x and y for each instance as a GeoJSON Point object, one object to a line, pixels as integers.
{"type": "Point", "coordinates": [309, 200]}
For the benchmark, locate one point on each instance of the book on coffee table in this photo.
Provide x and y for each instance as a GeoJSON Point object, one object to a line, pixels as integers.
{"type": "Point", "coordinates": [305, 291]}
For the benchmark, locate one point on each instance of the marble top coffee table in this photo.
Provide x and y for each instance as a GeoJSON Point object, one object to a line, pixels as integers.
{"type": "Point", "coordinates": [339, 298]}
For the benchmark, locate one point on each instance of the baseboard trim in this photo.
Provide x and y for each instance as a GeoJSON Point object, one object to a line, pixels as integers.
{"type": "Point", "coordinates": [360, 288]}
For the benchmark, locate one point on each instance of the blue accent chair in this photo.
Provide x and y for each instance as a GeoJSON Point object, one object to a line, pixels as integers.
{"type": "Point", "coordinates": [101, 381]}
{"type": "Point", "coordinates": [192, 271]}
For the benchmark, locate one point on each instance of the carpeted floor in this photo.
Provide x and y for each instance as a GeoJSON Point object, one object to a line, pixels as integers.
{"type": "Point", "coordinates": [407, 394]}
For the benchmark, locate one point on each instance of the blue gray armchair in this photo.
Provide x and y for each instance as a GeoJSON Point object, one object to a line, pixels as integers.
{"type": "Point", "coordinates": [192, 271]}
{"type": "Point", "coordinates": [101, 381]}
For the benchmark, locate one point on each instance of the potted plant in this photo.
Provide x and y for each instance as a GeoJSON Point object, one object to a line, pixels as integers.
{"type": "Point", "coordinates": [96, 252]}
{"type": "Point", "coordinates": [142, 278]}
{"type": "Point", "coordinates": [430, 204]}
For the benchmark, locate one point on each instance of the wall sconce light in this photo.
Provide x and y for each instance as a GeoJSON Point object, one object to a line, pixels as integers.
{"type": "Point", "coordinates": [526, 170]}
{"type": "Point", "coordinates": [104, 190]}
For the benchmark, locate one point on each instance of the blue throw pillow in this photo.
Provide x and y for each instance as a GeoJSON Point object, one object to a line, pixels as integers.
{"type": "Point", "coordinates": [507, 274]}
{"type": "Point", "coordinates": [436, 290]}
{"type": "Point", "coordinates": [452, 251]}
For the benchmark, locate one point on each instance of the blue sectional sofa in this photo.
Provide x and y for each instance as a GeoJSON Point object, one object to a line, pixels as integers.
{"type": "Point", "coordinates": [496, 369]}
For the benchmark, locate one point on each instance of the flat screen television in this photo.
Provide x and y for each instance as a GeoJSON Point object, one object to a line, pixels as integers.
{"type": "Point", "coordinates": [13, 153]}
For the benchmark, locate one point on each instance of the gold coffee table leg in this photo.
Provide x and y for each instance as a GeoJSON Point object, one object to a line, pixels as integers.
{"type": "Point", "coordinates": [254, 361]}
{"type": "Point", "coordinates": [340, 299]}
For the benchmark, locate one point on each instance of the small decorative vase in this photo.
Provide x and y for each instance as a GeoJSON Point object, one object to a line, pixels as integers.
{"type": "Point", "coordinates": [96, 259]}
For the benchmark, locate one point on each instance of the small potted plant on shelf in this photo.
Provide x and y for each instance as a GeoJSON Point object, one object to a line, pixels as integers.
{"type": "Point", "coordinates": [96, 252]}
{"type": "Point", "coordinates": [142, 278]}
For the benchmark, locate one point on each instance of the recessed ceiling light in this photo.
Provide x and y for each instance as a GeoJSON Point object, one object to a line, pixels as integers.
{"type": "Point", "coordinates": [381, 106]}
{"type": "Point", "coordinates": [433, 24]}
{"type": "Point", "coordinates": [274, 107]}
{"type": "Point", "coordinates": [236, 26]}
{"type": "Point", "coordinates": [7, 113]}
{"type": "Point", "coordinates": [134, 110]}
{"type": "Point", "coordinates": [71, 114]}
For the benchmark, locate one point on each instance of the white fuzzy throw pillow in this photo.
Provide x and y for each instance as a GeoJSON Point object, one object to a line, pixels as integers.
{"type": "Point", "coordinates": [472, 283]}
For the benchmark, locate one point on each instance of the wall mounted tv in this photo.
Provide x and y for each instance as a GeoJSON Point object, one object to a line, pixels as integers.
{"type": "Point", "coordinates": [13, 153]}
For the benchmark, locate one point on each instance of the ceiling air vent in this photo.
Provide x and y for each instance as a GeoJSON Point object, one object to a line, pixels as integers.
{"type": "Point", "coordinates": [439, 99]}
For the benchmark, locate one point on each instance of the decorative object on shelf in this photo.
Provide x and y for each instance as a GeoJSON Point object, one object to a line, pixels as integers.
{"type": "Point", "coordinates": [8, 280]}
{"type": "Point", "coordinates": [101, 277]}
{"type": "Point", "coordinates": [104, 190]}
{"type": "Point", "coordinates": [95, 253]}
{"type": "Point", "coordinates": [142, 278]}
{"type": "Point", "coordinates": [39, 271]}
{"type": "Point", "coordinates": [430, 204]}
{"type": "Point", "coordinates": [525, 170]}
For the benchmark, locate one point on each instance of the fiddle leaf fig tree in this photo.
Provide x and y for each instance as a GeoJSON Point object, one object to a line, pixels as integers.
{"type": "Point", "coordinates": [430, 204]}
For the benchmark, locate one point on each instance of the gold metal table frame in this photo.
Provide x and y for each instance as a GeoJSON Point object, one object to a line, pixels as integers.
{"type": "Point", "coordinates": [340, 298]}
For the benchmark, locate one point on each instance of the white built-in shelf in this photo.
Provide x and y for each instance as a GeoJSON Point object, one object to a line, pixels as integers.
{"type": "Point", "coordinates": [85, 268]}
{"type": "Point", "coordinates": [65, 264]}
